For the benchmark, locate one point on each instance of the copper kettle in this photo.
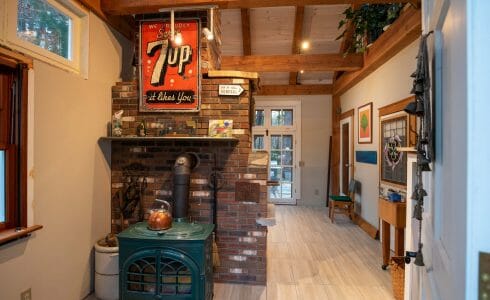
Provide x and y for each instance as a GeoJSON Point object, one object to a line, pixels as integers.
{"type": "Point", "coordinates": [160, 218]}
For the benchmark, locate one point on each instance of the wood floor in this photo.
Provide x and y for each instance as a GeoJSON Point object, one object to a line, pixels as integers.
{"type": "Point", "coordinates": [311, 258]}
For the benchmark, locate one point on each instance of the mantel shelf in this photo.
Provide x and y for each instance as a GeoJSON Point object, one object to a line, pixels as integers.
{"type": "Point", "coordinates": [170, 138]}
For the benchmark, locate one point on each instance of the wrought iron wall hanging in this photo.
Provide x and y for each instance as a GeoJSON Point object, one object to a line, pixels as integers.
{"type": "Point", "coordinates": [421, 108]}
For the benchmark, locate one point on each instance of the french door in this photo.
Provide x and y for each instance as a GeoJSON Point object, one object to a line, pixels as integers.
{"type": "Point", "coordinates": [276, 130]}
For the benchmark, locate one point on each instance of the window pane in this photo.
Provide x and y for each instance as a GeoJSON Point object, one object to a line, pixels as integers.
{"type": "Point", "coordinates": [287, 142]}
{"type": "Point", "coordinates": [287, 158]}
{"type": "Point", "coordinates": [275, 174]}
{"type": "Point", "coordinates": [276, 142]}
{"type": "Point", "coordinates": [2, 186]}
{"type": "Point", "coordinates": [259, 117]}
{"type": "Point", "coordinates": [275, 117]}
{"type": "Point", "coordinates": [287, 174]}
{"type": "Point", "coordinates": [275, 158]}
{"type": "Point", "coordinates": [286, 190]}
{"type": "Point", "coordinates": [43, 25]}
{"type": "Point", "coordinates": [258, 142]}
{"type": "Point", "coordinates": [287, 117]}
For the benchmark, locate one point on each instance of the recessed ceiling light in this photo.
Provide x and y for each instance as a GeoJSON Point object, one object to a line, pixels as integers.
{"type": "Point", "coordinates": [305, 45]}
{"type": "Point", "coordinates": [302, 71]}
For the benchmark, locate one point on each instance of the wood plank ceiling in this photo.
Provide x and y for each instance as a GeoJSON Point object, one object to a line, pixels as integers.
{"type": "Point", "coordinates": [266, 36]}
{"type": "Point", "coordinates": [262, 32]}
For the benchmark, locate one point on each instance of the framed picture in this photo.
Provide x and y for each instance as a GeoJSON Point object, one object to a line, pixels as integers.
{"type": "Point", "coordinates": [169, 73]}
{"type": "Point", "coordinates": [393, 134]}
{"type": "Point", "coordinates": [220, 128]}
{"type": "Point", "coordinates": [365, 123]}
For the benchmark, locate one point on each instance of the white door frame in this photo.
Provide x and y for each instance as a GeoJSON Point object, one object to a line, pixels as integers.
{"type": "Point", "coordinates": [349, 120]}
{"type": "Point", "coordinates": [295, 105]}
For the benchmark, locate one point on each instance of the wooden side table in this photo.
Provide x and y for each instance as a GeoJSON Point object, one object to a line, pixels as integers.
{"type": "Point", "coordinates": [392, 213]}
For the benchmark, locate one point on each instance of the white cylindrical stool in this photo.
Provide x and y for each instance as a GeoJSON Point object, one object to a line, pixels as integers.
{"type": "Point", "coordinates": [106, 271]}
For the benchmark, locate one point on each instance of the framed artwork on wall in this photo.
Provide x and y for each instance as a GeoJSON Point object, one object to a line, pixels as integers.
{"type": "Point", "coordinates": [365, 123]}
{"type": "Point", "coordinates": [169, 73]}
{"type": "Point", "coordinates": [393, 135]}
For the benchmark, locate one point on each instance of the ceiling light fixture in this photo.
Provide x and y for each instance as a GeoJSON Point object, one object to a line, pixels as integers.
{"type": "Point", "coordinates": [302, 71]}
{"type": "Point", "coordinates": [305, 45]}
{"type": "Point", "coordinates": [178, 39]}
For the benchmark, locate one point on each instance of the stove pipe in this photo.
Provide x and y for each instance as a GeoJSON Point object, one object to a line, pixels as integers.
{"type": "Point", "coordinates": [183, 166]}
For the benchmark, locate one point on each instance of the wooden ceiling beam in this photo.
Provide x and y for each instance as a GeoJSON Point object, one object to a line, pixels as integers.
{"type": "Point", "coordinates": [406, 29]}
{"type": "Point", "coordinates": [297, 37]}
{"type": "Point", "coordinates": [126, 25]}
{"type": "Point", "coordinates": [307, 89]}
{"type": "Point", "coordinates": [127, 7]}
{"type": "Point", "coordinates": [247, 44]}
{"type": "Point", "coordinates": [293, 63]}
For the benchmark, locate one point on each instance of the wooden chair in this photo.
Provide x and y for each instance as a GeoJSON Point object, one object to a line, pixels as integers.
{"type": "Point", "coordinates": [343, 204]}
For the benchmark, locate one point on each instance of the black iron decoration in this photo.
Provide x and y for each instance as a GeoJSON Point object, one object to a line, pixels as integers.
{"type": "Point", "coordinates": [421, 108]}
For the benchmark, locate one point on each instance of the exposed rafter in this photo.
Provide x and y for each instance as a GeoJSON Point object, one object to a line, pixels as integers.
{"type": "Point", "coordinates": [298, 35]}
{"type": "Point", "coordinates": [247, 44]}
{"type": "Point", "coordinates": [401, 33]}
{"type": "Point", "coordinates": [126, 7]}
{"type": "Point", "coordinates": [307, 89]}
{"type": "Point", "coordinates": [292, 63]}
{"type": "Point", "coordinates": [125, 25]}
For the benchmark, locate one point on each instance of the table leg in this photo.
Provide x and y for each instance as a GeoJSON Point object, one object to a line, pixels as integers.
{"type": "Point", "coordinates": [385, 227]}
{"type": "Point", "coordinates": [399, 241]}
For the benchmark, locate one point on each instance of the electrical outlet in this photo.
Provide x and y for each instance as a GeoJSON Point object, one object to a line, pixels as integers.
{"type": "Point", "coordinates": [26, 295]}
{"type": "Point", "coordinates": [484, 276]}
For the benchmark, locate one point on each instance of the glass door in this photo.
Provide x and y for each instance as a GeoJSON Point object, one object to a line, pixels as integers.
{"type": "Point", "coordinates": [275, 132]}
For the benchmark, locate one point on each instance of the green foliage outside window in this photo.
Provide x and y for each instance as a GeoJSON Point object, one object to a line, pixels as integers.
{"type": "Point", "coordinates": [43, 25]}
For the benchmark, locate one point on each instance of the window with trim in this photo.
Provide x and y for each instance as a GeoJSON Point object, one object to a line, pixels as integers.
{"type": "Point", "coordinates": [13, 144]}
{"type": "Point", "coordinates": [55, 31]}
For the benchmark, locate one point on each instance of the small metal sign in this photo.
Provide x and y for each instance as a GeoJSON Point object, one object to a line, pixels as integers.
{"type": "Point", "coordinates": [230, 90]}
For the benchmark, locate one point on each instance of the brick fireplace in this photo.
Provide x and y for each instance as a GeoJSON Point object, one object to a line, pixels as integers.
{"type": "Point", "coordinates": [241, 241]}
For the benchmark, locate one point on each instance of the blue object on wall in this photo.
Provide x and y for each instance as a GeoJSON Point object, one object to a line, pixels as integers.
{"type": "Point", "coordinates": [368, 157]}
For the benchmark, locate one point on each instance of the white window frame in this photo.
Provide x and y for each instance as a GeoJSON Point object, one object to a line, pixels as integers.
{"type": "Point", "coordinates": [78, 44]}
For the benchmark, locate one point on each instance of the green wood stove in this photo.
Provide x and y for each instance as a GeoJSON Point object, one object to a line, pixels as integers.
{"type": "Point", "coordinates": [170, 264]}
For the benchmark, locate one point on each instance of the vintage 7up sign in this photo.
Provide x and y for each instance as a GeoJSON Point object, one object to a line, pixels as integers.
{"type": "Point", "coordinates": [169, 73]}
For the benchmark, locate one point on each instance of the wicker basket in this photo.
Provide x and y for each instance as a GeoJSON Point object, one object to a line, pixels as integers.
{"type": "Point", "coordinates": [397, 267]}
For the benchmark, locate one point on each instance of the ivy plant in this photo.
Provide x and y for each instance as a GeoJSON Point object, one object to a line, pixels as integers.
{"type": "Point", "coordinates": [368, 23]}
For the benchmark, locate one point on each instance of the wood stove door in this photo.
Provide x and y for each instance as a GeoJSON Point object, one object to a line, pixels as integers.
{"type": "Point", "coordinates": [160, 274]}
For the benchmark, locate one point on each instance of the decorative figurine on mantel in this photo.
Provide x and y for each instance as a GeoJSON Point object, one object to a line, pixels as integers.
{"type": "Point", "coordinates": [117, 123]}
{"type": "Point", "coordinates": [141, 129]}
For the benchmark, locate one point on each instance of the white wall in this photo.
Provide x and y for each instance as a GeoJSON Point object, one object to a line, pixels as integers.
{"type": "Point", "coordinates": [71, 176]}
{"type": "Point", "coordinates": [390, 83]}
{"type": "Point", "coordinates": [316, 128]}
{"type": "Point", "coordinates": [478, 229]}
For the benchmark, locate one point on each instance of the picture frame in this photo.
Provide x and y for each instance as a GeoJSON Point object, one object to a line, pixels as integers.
{"type": "Point", "coordinates": [169, 73]}
{"type": "Point", "coordinates": [220, 128]}
{"type": "Point", "coordinates": [365, 124]}
{"type": "Point", "coordinates": [393, 163]}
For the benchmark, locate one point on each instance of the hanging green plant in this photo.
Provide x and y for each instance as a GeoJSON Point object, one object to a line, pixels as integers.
{"type": "Point", "coordinates": [368, 23]}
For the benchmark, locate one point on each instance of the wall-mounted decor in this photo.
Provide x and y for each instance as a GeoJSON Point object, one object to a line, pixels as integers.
{"type": "Point", "coordinates": [365, 123]}
{"type": "Point", "coordinates": [220, 128]}
{"type": "Point", "coordinates": [367, 157]}
{"type": "Point", "coordinates": [169, 73]}
{"type": "Point", "coordinates": [393, 134]}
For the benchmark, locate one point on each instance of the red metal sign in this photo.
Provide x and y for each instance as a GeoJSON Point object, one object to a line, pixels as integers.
{"type": "Point", "coordinates": [169, 73]}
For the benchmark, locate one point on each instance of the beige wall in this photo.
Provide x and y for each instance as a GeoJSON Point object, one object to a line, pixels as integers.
{"type": "Point", "coordinates": [316, 128]}
{"type": "Point", "coordinates": [390, 83]}
{"type": "Point", "coordinates": [71, 179]}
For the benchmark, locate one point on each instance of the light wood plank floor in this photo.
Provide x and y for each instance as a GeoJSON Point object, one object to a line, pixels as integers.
{"type": "Point", "coordinates": [309, 258]}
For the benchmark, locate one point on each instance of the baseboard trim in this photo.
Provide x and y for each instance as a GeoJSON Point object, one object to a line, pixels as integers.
{"type": "Point", "coordinates": [368, 228]}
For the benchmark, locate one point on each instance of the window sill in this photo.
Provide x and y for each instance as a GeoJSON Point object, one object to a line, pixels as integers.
{"type": "Point", "coordinates": [10, 235]}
